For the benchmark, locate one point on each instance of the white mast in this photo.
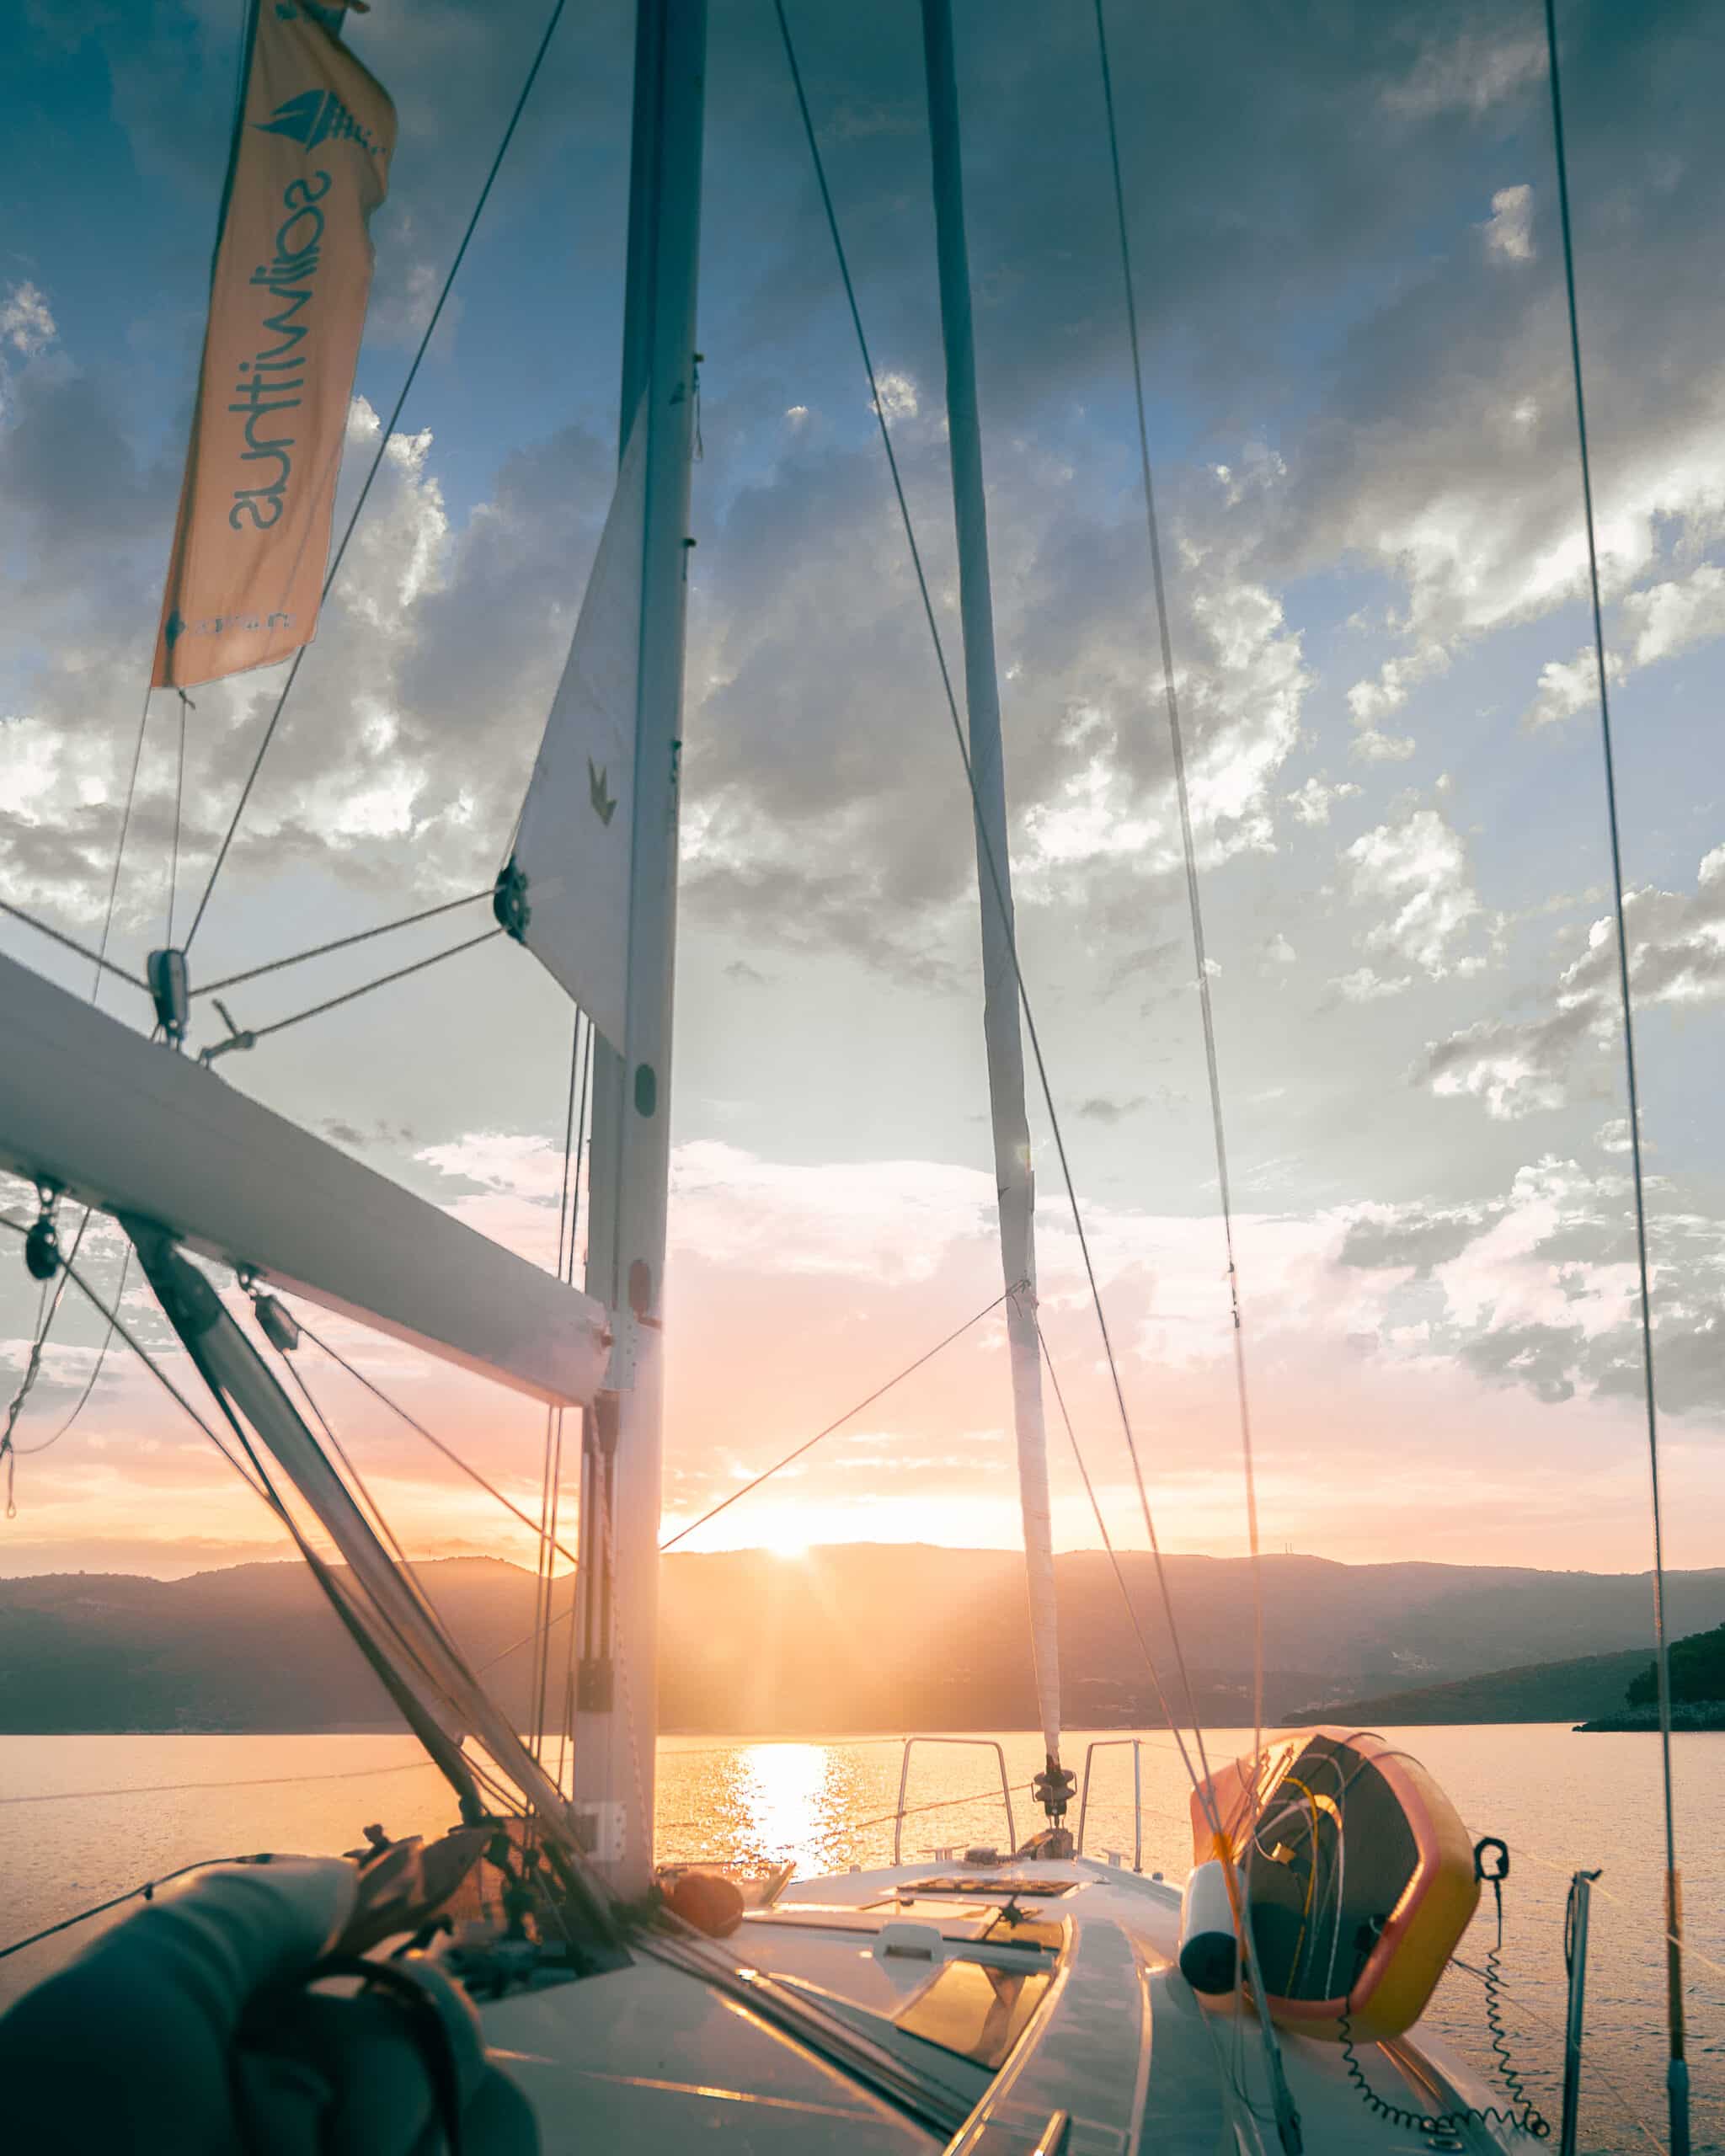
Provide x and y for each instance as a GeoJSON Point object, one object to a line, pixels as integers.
{"type": "Point", "coordinates": [618, 1608]}
{"type": "Point", "coordinates": [1000, 984]}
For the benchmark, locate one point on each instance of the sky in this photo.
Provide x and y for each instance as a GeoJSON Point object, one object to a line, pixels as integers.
{"type": "Point", "coordinates": [1344, 234]}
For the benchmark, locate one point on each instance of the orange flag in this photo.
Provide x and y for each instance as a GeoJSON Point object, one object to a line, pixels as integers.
{"type": "Point", "coordinates": [287, 304]}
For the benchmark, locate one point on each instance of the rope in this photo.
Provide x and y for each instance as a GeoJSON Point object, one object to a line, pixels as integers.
{"type": "Point", "coordinates": [29, 1452]}
{"type": "Point", "coordinates": [1673, 1971]}
{"type": "Point", "coordinates": [341, 943]}
{"type": "Point", "coordinates": [383, 441]}
{"type": "Point", "coordinates": [1177, 742]}
{"type": "Point", "coordinates": [987, 857]}
{"type": "Point", "coordinates": [837, 1423]}
{"type": "Point", "coordinates": [248, 1037]}
{"type": "Point", "coordinates": [97, 959]}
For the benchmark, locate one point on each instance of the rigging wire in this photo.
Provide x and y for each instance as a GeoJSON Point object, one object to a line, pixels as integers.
{"type": "Point", "coordinates": [1114, 1555]}
{"type": "Point", "coordinates": [249, 1035]}
{"type": "Point", "coordinates": [384, 438]}
{"type": "Point", "coordinates": [258, 1481]}
{"type": "Point", "coordinates": [102, 963]}
{"type": "Point", "coordinates": [185, 705]}
{"type": "Point", "coordinates": [837, 1423]}
{"type": "Point", "coordinates": [1194, 903]}
{"type": "Point", "coordinates": [583, 1141]}
{"type": "Point", "coordinates": [546, 1560]}
{"type": "Point", "coordinates": [449, 1452]}
{"type": "Point", "coordinates": [358, 1480]}
{"type": "Point", "coordinates": [1673, 1905]}
{"type": "Point", "coordinates": [99, 959]}
{"type": "Point", "coordinates": [341, 943]}
{"type": "Point", "coordinates": [986, 852]}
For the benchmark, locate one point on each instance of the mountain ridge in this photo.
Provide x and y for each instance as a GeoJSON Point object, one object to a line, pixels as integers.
{"type": "Point", "coordinates": [857, 1636]}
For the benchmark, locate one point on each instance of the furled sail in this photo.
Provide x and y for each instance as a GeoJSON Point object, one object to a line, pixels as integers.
{"type": "Point", "coordinates": [309, 165]}
{"type": "Point", "coordinates": [1014, 1182]}
{"type": "Point", "coordinates": [567, 884]}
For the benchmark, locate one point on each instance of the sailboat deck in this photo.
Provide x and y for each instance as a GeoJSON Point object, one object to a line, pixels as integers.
{"type": "Point", "coordinates": [1082, 2039]}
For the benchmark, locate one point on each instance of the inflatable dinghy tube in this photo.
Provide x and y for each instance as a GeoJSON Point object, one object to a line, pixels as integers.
{"type": "Point", "coordinates": [1356, 1873]}
{"type": "Point", "coordinates": [1209, 1944]}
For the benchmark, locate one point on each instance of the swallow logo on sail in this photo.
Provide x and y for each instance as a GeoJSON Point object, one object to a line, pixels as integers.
{"type": "Point", "coordinates": [603, 799]}
{"type": "Point", "coordinates": [317, 116]}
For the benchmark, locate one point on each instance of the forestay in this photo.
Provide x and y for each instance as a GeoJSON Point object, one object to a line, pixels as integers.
{"type": "Point", "coordinates": [571, 861]}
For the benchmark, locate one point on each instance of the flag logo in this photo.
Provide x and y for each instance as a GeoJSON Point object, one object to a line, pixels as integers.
{"type": "Point", "coordinates": [316, 116]}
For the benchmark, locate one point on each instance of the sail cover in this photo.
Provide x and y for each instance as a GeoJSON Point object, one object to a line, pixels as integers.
{"type": "Point", "coordinates": [309, 165]}
{"type": "Point", "coordinates": [575, 846]}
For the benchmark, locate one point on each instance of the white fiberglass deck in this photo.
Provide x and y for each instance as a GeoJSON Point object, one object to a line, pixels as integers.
{"type": "Point", "coordinates": [1036, 2003]}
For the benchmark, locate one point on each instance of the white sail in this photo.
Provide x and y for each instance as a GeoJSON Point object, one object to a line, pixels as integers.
{"type": "Point", "coordinates": [573, 848]}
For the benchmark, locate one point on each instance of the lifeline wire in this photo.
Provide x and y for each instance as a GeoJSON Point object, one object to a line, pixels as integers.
{"type": "Point", "coordinates": [1177, 741]}
{"type": "Point", "coordinates": [987, 853]}
{"type": "Point", "coordinates": [837, 1423]}
{"type": "Point", "coordinates": [1677, 2082]}
{"type": "Point", "coordinates": [378, 455]}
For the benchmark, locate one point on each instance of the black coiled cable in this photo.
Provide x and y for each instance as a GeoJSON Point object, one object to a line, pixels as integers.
{"type": "Point", "coordinates": [1525, 2115]}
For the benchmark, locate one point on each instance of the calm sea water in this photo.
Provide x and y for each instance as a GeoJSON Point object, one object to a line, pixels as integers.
{"type": "Point", "coordinates": [84, 1818]}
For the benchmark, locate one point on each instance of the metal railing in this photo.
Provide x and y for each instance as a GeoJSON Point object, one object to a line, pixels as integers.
{"type": "Point", "coordinates": [1104, 1744]}
{"type": "Point", "coordinates": [988, 1744]}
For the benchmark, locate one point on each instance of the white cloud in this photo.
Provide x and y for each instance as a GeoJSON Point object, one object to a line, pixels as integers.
{"type": "Point", "coordinates": [1669, 618]}
{"type": "Point", "coordinates": [1312, 802]}
{"type": "Point", "coordinates": [1510, 231]}
{"type": "Point", "coordinates": [1468, 71]}
{"type": "Point", "coordinates": [1364, 986]}
{"type": "Point", "coordinates": [1567, 688]}
{"type": "Point", "coordinates": [1418, 869]}
{"type": "Point", "coordinates": [898, 395]}
{"type": "Point", "coordinates": [1676, 956]}
{"type": "Point", "coordinates": [1371, 700]}
{"type": "Point", "coordinates": [1662, 621]}
{"type": "Point", "coordinates": [26, 324]}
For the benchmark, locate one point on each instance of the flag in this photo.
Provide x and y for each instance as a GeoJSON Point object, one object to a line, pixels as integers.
{"type": "Point", "coordinates": [310, 163]}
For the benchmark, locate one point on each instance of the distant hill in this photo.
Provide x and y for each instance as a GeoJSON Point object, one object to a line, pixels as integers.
{"type": "Point", "coordinates": [857, 1636]}
{"type": "Point", "coordinates": [1589, 1685]}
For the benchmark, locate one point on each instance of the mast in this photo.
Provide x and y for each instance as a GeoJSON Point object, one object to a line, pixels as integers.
{"type": "Point", "coordinates": [617, 1611]}
{"type": "Point", "coordinates": [1013, 1176]}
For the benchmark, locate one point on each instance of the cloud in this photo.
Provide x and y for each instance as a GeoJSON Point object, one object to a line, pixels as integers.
{"type": "Point", "coordinates": [1520, 1067]}
{"type": "Point", "coordinates": [1660, 621]}
{"type": "Point", "coordinates": [1364, 986]}
{"type": "Point", "coordinates": [1508, 234]}
{"type": "Point", "coordinates": [1312, 802]}
{"type": "Point", "coordinates": [1418, 869]}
